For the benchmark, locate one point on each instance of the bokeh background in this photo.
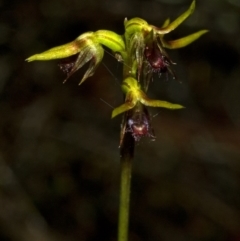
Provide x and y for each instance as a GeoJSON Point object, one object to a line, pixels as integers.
{"type": "Point", "coordinates": [59, 156]}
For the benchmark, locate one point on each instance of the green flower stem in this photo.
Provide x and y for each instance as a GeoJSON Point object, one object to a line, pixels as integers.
{"type": "Point", "coordinates": [127, 152]}
{"type": "Point", "coordinates": [126, 158]}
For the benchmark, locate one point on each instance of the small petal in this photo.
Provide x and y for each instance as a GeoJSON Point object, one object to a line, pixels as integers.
{"type": "Point", "coordinates": [182, 42]}
{"type": "Point", "coordinates": [166, 23]}
{"type": "Point", "coordinates": [170, 27]}
{"type": "Point", "coordinates": [122, 108]}
{"type": "Point", "coordinates": [159, 103]}
{"type": "Point", "coordinates": [92, 52]}
{"type": "Point", "coordinates": [93, 65]}
{"type": "Point", "coordinates": [137, 46]}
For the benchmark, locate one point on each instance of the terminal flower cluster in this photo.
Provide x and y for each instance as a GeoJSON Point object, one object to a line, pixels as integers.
{"type": "Point", "coordinates": [142, 48]}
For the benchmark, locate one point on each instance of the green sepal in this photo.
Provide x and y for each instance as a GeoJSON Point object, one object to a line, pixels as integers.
{"type": "Point", "coordinates": [64, 51]}
{"type": "Point", "coordinates": [182, 42]}
{"type": "Point", "coordinates": [136, 25]}
{"type": "Point", "coordinates": [158, 103]}
{"type": "Point", "coordinates": [123, 108]}
{"type": "Point", "coordinates": [171, 26]}
{"type": "Point", "coordinates": [111, 40]}
{"type": "Point", "coordinates": [59, 52]}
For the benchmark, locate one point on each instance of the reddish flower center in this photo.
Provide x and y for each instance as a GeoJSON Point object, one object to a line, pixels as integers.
{"type": "Point", "coordinates": [155, 58]}
{"type": "Point", "coordinates": [139, 125]}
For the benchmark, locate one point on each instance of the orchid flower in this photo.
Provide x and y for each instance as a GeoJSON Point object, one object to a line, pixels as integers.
{"type": "Point", "coordinates": [134, 94]}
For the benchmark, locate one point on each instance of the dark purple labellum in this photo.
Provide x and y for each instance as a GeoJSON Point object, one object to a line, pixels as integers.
{"type": "Point", "coordinates": [138, 128]}
{"type": "Point", "coordinates": [67, 64]}
{"type": "Point", "coordinates": [139, 124]}
{"type": "Point", "coordinates": [156, 59]}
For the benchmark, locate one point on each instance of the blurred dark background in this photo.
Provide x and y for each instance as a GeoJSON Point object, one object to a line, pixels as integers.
{"type": "Point", "coordinates": [59, 159]}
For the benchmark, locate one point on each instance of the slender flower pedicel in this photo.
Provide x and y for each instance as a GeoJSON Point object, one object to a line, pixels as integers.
{"type": "Point", "coordinates": [142, 49]}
